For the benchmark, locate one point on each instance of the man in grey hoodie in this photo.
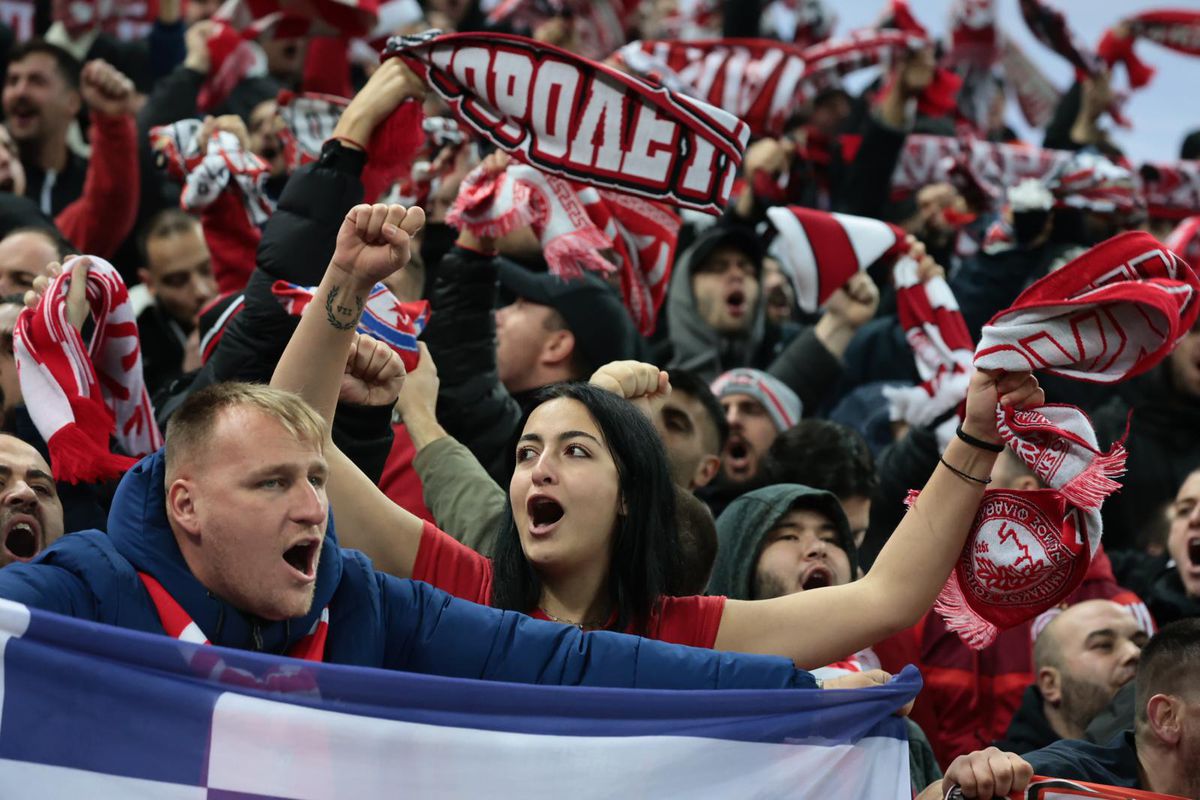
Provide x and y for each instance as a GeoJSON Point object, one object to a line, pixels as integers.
{"type": "Point", "coordinates": [717, 318]}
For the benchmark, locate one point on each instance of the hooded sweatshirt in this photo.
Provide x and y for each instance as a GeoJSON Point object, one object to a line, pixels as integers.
{"type": "Point", "coordinates": [748, 520]}
{"type": "Point", "coordinates": [374, 619]}
{"type": "Point", "coordinates": [695, 345]}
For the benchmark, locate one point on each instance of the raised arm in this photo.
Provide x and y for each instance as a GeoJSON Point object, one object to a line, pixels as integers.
{"type": "Point", "coordinates": [373, 242]}
{"type": "Point", "coordinates": [820, 626]}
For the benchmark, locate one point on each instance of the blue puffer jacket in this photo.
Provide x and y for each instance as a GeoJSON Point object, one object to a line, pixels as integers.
{"type": "Point", "coordinates": [376, 619]}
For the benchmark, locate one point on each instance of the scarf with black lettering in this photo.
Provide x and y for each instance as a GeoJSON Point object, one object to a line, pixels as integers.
{"type": "Point", "coordinates": [580, 119]}
{"type": "Point", "coordinates": [1050, 788]}
{"type": "Point", "coordinates": [762, 81]}
{"type": "Point", "coordinates": [1113, 313]}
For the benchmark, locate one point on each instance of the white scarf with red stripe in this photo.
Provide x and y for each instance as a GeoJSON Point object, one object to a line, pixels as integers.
{"type": "Point", "coordinates": [79, 394]}
{"type": "Point", "coordinates": [576, 225]}
{"type": "Point", "coordinates": [762, 81]}
{"type": "Point", "coordinates": [820, 251]}
{"type": "Point", "coordinates": [942, 349]}
{"type": "Point", "coordinates": [1112, 313]}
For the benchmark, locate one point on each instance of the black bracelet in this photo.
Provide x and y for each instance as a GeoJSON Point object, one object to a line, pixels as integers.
{"type": "Point", "coordinates": [980, 443]}
{"type": "Point", "coordinates": [963, 475]}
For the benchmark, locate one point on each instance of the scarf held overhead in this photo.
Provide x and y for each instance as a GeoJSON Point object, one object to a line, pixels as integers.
{"type": "Point", "coordinates": [820, 251]}
{"type": "Point", "coordinates": [576, 225]}
{"type": "Point", "coordinates": [82, 394]}
{"type": "Point", "coordinates": [1111, 314]}
{"type": "Point", "coordinates": [580, 119]}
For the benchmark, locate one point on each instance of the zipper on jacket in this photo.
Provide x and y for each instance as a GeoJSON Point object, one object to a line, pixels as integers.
{"type": "Point", "coordinates": [256, 634]}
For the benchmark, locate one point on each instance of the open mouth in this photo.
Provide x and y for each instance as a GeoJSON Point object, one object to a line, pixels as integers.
{"type": "Point", "coordinates": [1193, 551]}
{"type": "Point", "coordinates": [735, 301]}
{"type": "Point", "coordinates": [817, 578]}
{"type": "Point", "coordinates": [22, 540]}
{"type": "Point", "coordinates": [737, 456]}
{"type": "Point", "coordinates": [544, 514]}
{"type": "Point", "coordinates": [302, 557]}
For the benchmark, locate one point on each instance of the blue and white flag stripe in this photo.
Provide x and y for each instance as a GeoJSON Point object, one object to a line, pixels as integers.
{"type": "Point", "coordinates": [88, 710]}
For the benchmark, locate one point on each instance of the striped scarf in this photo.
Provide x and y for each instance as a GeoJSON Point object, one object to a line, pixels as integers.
{"type": "Point", "coordinates": [82, 394]}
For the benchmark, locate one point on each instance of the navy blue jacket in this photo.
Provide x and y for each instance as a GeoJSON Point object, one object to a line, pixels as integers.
{"type": "Point", "coordinates": [376, 620]}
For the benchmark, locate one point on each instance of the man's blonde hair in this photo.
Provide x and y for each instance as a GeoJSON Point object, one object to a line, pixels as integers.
{"type": "Point", "coordinates": [191, 426]}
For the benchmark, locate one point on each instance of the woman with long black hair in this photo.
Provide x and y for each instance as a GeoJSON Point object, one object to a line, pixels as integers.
{"type": "Point", "coordinates": [592, 532]}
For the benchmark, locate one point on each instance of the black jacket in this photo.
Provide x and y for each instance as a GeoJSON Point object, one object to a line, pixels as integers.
{"type": "Point", "coordinates": [297, 245]}
{"type": "Point", "coordinates": [473, 404]}
{"type": "Point", "coordinates": [1163, 447]}
{"type": "Point", "coordinates": [163, 341]}
{"type": "Point", "coordinates": [1029, 729]}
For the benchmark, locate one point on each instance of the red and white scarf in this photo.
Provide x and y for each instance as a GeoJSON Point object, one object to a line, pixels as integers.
{"type": "Point", "coordinates": [1049, 26]}
{"type": "Point", "coordinates": [1176, 29]}
{"type": "Point", "coordinates": [759, 80]}
{"type": "Point", "coordinates": [225, 185]}
{"type": "Point", "coordinates": [582, 120]}
{"type": "Point", "coordinates": [310, 119]}
{"type": "Point", "coordinates": [1112, 313]}
{"type": "Point", "coordinates": [178, 624]}
{"type": "Point", "coordinates": [385, 318]}
{"type": "Point", "coordinates": [1172, 190]}
{"type": "Point", "coordinates": [762, 81]}
{"type": "Point", "coordinates": [576, 225]}
{"type": "Point", "coordinates": [941, 345]}
{"type": "Point", "coordinates": [81, 395]}
{"type": "Point", "coordinates": [820, 252]}
{"type": "Point", "coordinates": [1185, 240]}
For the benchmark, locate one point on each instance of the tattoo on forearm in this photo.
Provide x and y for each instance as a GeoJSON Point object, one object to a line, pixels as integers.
{"type": "Point", "coordinates": [340, 315]}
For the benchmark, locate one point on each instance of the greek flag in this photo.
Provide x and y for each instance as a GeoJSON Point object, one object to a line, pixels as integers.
{"type": "Point", "coordinates": [92, 711]}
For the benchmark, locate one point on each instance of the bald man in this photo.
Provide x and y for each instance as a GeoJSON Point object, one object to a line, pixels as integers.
{"type": "Point", "coordinates": [31, 514]}
{"type": "Point", "coordinates": [1080, 660]}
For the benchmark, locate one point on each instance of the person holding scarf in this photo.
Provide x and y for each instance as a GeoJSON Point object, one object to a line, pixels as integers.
{"type": "Point", "coordinates": [573, 496]}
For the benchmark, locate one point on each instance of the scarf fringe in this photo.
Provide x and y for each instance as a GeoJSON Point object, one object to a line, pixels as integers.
{"type": "Point", "coordinates": [479, 193]}
{"type": "Point", "coordinates": [576, 252]}
{"type": "Point", "coordinates": [952, 605]}
{"type": "Point", "coordinates": [1089, 488]}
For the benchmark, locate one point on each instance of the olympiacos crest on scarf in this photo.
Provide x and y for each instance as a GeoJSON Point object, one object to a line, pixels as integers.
{"type": "Point", "coordinates": [1113, 313]}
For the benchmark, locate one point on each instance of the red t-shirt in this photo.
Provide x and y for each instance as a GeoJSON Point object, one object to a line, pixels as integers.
{"type": "Point", "coordinates": [451, 566]}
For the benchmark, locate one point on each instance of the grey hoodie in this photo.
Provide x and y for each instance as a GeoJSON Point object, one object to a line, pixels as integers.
{"type": "Point", "coordinates": [696, 346]}
{"type": "Point", "coordinates": [744, 525]}
{"type": "Point", "coordinates": [804, 364]}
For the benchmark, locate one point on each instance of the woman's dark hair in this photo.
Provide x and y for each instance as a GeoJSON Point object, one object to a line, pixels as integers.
{"type": "Point", "coordinates": [645, 548]}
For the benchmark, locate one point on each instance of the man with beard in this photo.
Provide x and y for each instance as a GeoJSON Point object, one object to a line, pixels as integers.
{"type": "Point", "coordinates": [90, 201]}
{"type": "Point", "coordinates": [758, 408]}
{"type": "Point", "coordinates": [1161, 754]}
{"type": "Point", "coordinates": [178, 275]}
{"type": "Point", "coordinates": [31, 514]}
{"type": "Point", "coordinates": [1080, 660]}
